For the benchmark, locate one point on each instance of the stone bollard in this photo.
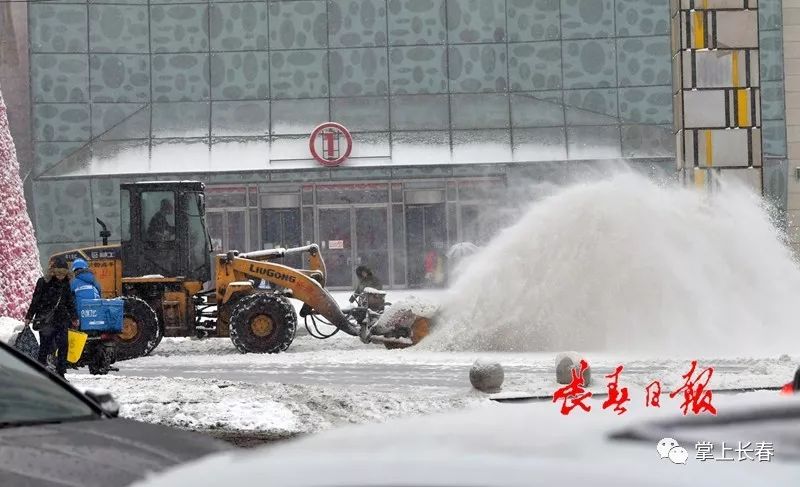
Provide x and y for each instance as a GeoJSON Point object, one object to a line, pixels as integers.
{"type": "Point", "coordinates": [486, 376]}
{"type": "Point", "coordinates": [565, 362]}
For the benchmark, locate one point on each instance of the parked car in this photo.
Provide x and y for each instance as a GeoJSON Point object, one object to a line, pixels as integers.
{"type": "Point", "coordinates": [52, 435]}
{"type": "Point", "coordinates": [518, 445]}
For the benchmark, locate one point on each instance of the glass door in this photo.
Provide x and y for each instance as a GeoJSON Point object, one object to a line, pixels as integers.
{"type": "Point", "coordinates": [282, 229]}
{"type": "Point", "coordinates": [228, 230]}
{"type": "Point", "coordinates": [425, 243]}
{"type": "Point", "coordinates": [335, 237]}
{"type": "Point", "coordinates": [372, 241]}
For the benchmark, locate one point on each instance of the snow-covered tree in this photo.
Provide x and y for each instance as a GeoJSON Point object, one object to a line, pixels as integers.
{"type": "Point", "coordinates": [19, 256]}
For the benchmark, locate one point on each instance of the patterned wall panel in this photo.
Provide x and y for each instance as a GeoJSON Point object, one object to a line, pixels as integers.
{"type": "Point", "coordinates": [298, 25]}
{"type": "Point", "coordinates": [120, 121]}
{"type": "Point", "coordinates": [180, 77]}
{"type": "Point", "coordinates": [535, 66]}
{"type": "Point", "coordinates": [589, 63]}
{"type": "Point", "coordinates": [418, 69]}
{"type": "Point", "coordinates": [179, 28]}
{"type": "Point", "coordinates": [478, 67]}
{"type": "Point", "coordinates": [61, 122]}
{"type": "Point", "coordinates": [58, 28]}
{"type": "Point", "coordinates": [591, 107]}
{"type": "Point", "coordinates": [356, 72]}
{"type": "Point", "coordinates": [49, 154]}
{"type": "Point", "coordinates": [413, 22]}
{"type": "Point", "coordinates": [59, 78]}
{"type": "Point", "coordinates": [644, 61]}
{"type": "Point", "coordinates": [299, 74]}
{"type": "Point", "coordinates": [534, 20]}
{"type": "Point", "coordinates": [64, 211]}
{"type": "Point", "coordinates": [357, 23]}
{"type": "Point", "coordinates": [105, 201]}
{"type": "Point", "coordinates": [239, 26]}
{"type": "Point", "coordinates": [586, 20]}
{"type": "Point", "coordinates": [240, 75]}
{"type": "Point", "coordinates": [120, 78]}
{"type": "Point", "coordinates": [642, 17]}
{"type": "Point", "coordinates": [119, 28]}
{"type": "Point", "coordinates": [646, 105]}
{"type": "Point", "coordinates": [474, 21]}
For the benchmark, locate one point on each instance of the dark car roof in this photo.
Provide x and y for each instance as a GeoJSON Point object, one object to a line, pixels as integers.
{"type": "Point", "coordinates": [99, 452]}
{"type": "Point", "coordinates": [95, 453]}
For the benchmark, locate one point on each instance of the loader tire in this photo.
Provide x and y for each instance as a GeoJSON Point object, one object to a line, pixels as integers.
{"type": "Point", "coordinates": [263, 323]}
{"type": "Point", "coordinates": [140, 332]}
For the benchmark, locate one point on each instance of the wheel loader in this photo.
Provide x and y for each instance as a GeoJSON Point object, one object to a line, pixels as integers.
{"type": "Point", "coordinates": [173, 284]}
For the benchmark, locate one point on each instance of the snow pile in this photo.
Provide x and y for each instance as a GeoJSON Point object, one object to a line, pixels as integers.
{"type": "Point", "coordinates": [403, 313]}
{"type": "Point", "coordinates": [19, 256]}
{"type": "Point", "coordinates": [279, 410]}
{"type": "Point", "coordinates": [624, 264]}
{"type": "Point", "coordinates": [9, 326]}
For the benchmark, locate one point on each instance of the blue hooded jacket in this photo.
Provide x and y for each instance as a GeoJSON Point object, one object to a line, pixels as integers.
{"type": "Point", "coordinates": [85, 286]}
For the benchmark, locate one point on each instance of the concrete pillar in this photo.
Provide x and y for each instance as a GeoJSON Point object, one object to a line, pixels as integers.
{"type": "Point", "coordinates": [716, 91]}
{"type": "Point", "coordinates": [791, 60]}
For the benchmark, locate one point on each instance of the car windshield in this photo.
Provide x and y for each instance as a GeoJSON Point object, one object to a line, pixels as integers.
{"type": "Point", "coordinates": [27, 396]}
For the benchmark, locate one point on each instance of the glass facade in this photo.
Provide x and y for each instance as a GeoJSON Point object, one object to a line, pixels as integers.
{"type": "Point", "coordinates": [215, 86]}
{"type": "Point", "coordinates": [228, 92]}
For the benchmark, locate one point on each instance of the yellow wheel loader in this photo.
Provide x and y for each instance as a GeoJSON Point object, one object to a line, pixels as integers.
{"type": "Point", "coordinates": [162, 269]}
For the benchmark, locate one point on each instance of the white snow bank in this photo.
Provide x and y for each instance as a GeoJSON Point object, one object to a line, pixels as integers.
{"type": "Point", "coordinates": [8, 326]}
{"type": "Point", "coordinates": [276, 409]}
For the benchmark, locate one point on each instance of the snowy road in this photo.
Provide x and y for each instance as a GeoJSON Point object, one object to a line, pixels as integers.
{"type": "Point", "coordinates": [207, 385]}
{"type": "Point", "coordinates": [396, 371]}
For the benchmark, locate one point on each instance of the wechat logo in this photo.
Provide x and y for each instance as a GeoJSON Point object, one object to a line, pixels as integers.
{"type": "Point", "coordinates": [669, 448]}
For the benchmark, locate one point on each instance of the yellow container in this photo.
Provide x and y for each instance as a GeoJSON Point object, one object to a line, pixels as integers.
{"type": "Point", "coordinates": [76, 341]}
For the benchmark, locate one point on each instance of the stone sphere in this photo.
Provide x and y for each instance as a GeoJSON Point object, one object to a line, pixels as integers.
{"type": "Point", "coordinates": [486, 376]}
{"type": "Point", "coordinates": [565, 362]}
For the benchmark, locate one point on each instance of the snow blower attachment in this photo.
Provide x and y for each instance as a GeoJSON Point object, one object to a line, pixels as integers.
{"type": "Point", "coordinates": [162, 270]}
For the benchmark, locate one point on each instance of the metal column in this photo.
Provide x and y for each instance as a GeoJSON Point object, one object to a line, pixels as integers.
{"type": "Point", "coordinates": [716, 91]}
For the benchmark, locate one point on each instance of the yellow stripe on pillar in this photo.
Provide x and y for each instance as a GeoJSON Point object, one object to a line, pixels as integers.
{"type": "Point", "coordinates": [699, 31]}
{"type": "Point", "coordinates": [709, 148]}
{"type": "Point", "coordinates": [735, 69]}
{"type": "Point", "coordinates": [743, 114]}
{"type": "Point", "coordinates": [699, 178]}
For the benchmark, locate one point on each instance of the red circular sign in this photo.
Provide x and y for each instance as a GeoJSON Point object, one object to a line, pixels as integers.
{"type": "Point", "coordinates": [330, 144]}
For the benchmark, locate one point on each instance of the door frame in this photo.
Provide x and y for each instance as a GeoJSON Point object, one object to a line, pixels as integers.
{"type": "Point", "coordinates": [354, 241]}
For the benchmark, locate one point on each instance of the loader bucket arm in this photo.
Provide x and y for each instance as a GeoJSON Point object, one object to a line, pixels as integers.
{"type": "Point", "coordinates": [314, 258]}
{"type": "Point", "coordinates": [303, 287]}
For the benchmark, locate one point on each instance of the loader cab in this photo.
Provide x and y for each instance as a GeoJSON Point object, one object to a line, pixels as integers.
{"type": "Point", "coordinates": [163, 230]}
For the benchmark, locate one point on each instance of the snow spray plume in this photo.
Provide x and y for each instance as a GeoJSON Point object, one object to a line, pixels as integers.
{"type": "Point", "coordinates": [19, 257]}
{"type": "Point", "coordinates": [626, 264]}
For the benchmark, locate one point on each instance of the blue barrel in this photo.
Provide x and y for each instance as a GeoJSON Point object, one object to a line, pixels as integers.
{"type": "Point", "coordinates": [103, 315]}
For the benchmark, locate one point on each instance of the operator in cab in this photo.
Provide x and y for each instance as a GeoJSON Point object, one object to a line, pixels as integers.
{"type": "Point", "coordinates": [159, 228]}
{"type": "Point", "coordinates": [84, 285]}
{"type": "Point", "coordinates": [365, 279]}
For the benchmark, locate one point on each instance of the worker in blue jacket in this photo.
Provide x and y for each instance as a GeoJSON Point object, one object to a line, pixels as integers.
{"type": "Point", "coordinates": [84, 285]}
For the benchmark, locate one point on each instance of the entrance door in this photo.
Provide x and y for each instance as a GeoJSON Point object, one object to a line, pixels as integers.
{"type": "Point", "coordinates": [282, 229]}
{"type": "Point", "coordinates": [372, 241]}
{"type": "Point", "coordinates": [425, 234]}
{"type": "Point", "coordinates": [352, 236]}
{"type": "Point", "coordinates": [335, 237]}
{"type": "Point", "coordinates": [228, 230]}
